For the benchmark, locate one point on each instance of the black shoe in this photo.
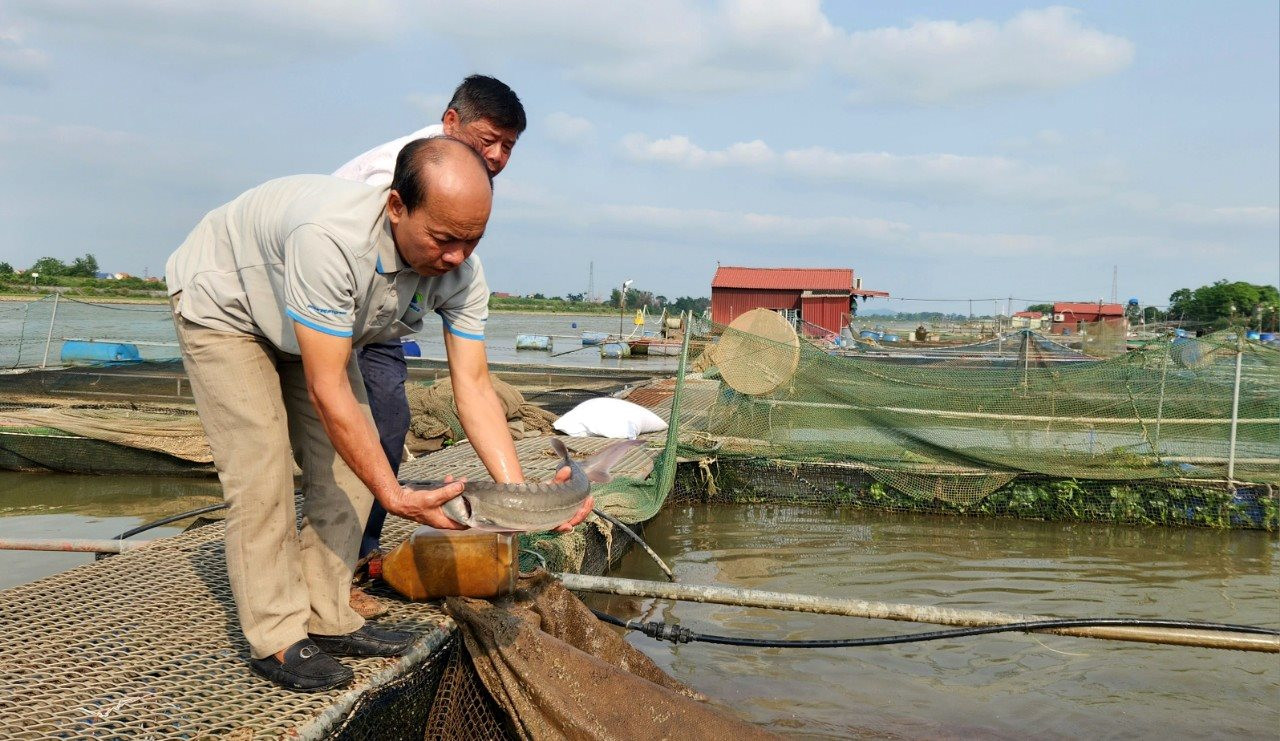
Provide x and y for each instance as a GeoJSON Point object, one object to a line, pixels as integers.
{"type": "Point", "coordinates": [367, 641]}
{"type": "Point", "coordinates": [306, 668]}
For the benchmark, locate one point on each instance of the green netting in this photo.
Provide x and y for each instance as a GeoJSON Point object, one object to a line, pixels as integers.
{"type": "Point", "coordinates": [956, 427]}
{"type": "Point", "coordinates": [630, 500]}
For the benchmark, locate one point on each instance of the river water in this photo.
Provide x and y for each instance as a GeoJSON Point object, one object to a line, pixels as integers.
{"type": "Point", "coordinates": [1000, 686]}
{"type": "Point", "coordinates": [26, 327]}
{"type": "Point", "coordinates": [997, 686]}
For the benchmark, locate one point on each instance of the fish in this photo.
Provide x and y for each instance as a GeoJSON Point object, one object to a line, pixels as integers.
{"type": "Point", "coordinates": [519, 508]}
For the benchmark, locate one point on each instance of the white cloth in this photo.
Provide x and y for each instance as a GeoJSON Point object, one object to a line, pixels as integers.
{"type": "Point", "coordinates": [378, 165]}
{"type": "Point", "coordinates": [609, 417]}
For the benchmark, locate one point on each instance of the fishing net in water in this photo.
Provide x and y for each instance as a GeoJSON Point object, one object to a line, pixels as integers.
{"type": "Point", "coordinates": [1151, 434]}
{"type": "Point", "coordinates": [557, 672]}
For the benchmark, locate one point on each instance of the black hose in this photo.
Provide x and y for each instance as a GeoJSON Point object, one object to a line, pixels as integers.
{"type": "Point", "coordinates": [677, 634]}
{"type": "Point", "coordinates": [171, 518]}
{"type": "Point", "coordinates": [162, 521]}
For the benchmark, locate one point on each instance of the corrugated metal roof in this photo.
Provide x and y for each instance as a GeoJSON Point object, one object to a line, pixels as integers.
{"type": "Point", "coordinates": [1088, 307]}
{"type": "Point", "coordinates": [784, 279]}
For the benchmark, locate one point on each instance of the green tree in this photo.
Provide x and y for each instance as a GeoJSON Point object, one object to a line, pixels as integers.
{"type": "Point", "coordinates": [1223, 303]}
{"type": "Point", "coordinates": [6, 268]}
{"type": "Point", "coordinates": [84, 267]}
{"type": "Point", "coordinates": [1042, 308]}
{"type": "Point", "coordinates": [49, 266]}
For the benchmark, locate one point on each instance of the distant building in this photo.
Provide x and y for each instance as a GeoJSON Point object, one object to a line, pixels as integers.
{"type": "Point", "coordinates": [122, 276]}
{"type": "Point", "coordinates": [822, 297]}
{"type": "Point", "coordinates": [1069, 315]}
{"type": "Point", "coordinates": [500, 294]}
{"type": "Point", "coordinates": [1029, 320]}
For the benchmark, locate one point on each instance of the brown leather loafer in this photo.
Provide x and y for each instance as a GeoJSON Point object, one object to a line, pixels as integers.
{"type": "Point", "coordinates": [366, 605]}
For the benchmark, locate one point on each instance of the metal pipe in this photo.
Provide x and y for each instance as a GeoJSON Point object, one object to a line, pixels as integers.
{"type": "Point", "coordinates": [1235, 407]}
{"type": "Point", "coordinates": [906, 612]}
{"type": "Point", "coordinates": [80, 545]}
{"type": "Point", "coordinates": [49, 339]}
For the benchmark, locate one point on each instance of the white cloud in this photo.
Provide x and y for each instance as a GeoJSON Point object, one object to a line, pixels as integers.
{"type": "Point", "coordinates": [679, 150]}
{"type": "Point", "coordinates": [226, 30]}
{"type": "Point", "coordinates": [568, 130]}
{"type": "Point", "coordinates": [931, 174]}
{"type": "Point", "coordinates": [1246, 216]}
{"type": "Point", "coordinates": [648, 48]}
{"type": "Point", "coordinates": [931, 62]}
{"type": "Point", "coordinates": [21, 65]}
{"type": "Point", "coordinates": [960, 244]}
{"type": "Point", "coordinates": [523, 203]}
{"type": "Point", "coordinates": [679, 49]}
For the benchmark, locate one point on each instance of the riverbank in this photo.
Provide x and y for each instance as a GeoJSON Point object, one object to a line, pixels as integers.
{"type": "Point", "coordinates": [497, 306]}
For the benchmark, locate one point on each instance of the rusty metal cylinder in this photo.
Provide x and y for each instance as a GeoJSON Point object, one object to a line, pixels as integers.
{"type": "Point", "coordinates": [432, 563]}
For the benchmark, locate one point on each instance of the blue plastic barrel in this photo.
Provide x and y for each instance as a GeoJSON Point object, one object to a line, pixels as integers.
{"type": "Point", "coordinates": [78, 352]}
{"type": "Point", "coordinates": [411, 348]}
{"type": "Point", "coordinates": [533, 342]}
{"type": "Point", "coordinates": [1180, 332]}
{"type": "Point", "coordinates": [1267, 336]}
{"type": "Point", "coordinates": [867, 334]}
{"type": "Point", "coordinates": [890, 338]}
{"type": "Point", "coordinates": [594, 338]}
{"type": "Point", "coordinates": [615, 350]}
{"type": "Point", "coordinates": [1252, 335]}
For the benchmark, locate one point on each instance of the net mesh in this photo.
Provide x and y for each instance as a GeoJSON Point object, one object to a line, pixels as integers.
{"type": "Point", "coordinates": [1018, 424]}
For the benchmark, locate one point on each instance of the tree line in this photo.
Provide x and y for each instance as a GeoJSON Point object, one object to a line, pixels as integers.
{"type": "Point", "coordinates": [1215, 306]}
{"type": "Point", "coordinates": [52, 267]}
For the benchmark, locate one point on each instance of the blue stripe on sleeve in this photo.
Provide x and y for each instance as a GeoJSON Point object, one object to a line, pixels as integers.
{"type": "Point", "coordinates": [295, 316]}
{"type": "Point", "coordinates": [465, 335]}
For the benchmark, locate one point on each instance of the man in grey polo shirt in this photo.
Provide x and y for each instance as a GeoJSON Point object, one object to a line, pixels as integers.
{"type": "Point", "coordinates": [270, 293]}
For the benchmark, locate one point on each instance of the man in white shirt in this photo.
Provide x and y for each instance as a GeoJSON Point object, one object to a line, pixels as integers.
{"type": "Point", "coordinates": [486, 115]}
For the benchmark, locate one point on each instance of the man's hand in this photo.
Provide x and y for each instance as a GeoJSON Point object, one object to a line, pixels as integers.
{"type": "Point", "coordinates": [423, 505]}
{"type": "Point", "coordinates": [562, 476]}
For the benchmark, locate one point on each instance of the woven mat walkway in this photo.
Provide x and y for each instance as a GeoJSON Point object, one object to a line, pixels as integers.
{"type": "Point", "coordinates": [146, 644]}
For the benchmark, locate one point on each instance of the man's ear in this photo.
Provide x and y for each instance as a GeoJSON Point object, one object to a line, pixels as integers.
{"type": "Point", "coordinates": [452, 122]}
{"type": "Point", "coordinates": [395, 207]}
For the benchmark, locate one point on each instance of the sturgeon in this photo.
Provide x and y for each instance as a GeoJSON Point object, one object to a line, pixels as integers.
{"type": "Point", "coordinates": [486, 505]}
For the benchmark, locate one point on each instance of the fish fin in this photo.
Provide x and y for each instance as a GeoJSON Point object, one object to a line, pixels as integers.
{"type": "Point", "coordinates": [458, 509]}
{"type": "Point", "coordinates": [561, 449]}
{"type": "Point", "coordinates": [597, 466]}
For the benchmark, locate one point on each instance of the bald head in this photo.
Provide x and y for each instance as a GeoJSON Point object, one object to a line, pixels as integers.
{"type": "Point", "coordinates": [422, 161]}
{"type": "Point", "coordinates": [439, 203]}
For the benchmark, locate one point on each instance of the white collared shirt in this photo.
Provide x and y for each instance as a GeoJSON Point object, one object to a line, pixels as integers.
{"type": "Point", "coordinates": [378, 165]}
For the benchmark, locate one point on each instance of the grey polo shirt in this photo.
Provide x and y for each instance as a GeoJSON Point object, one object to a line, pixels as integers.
{"type": "Point", "coordinates": [316, 250]}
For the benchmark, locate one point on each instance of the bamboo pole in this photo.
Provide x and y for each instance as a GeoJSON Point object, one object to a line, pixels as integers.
{"type": "Point", "coordinates": [948, 414]}
{"type": "Point", "coordinates": [1235, 407]}
{"type": "Point", "coordinates": [53, 316]}
{"type": "Point", "coordinates": [906, 612]}
{"type": "Point", "coordinates": [80, 545]}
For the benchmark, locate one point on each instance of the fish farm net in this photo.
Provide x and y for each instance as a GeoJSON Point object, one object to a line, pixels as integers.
{"type": "Point", "coordinates": [1179, 431]}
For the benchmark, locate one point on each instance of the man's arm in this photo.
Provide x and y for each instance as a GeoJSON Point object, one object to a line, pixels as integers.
{"type": "Point", "coordinates": [324, 362]}
{"type": "Point", "coordinates": [483, 419]}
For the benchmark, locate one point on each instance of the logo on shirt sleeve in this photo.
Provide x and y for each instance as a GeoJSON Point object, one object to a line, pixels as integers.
{"type": "Point", "coordinates": [326, 312]}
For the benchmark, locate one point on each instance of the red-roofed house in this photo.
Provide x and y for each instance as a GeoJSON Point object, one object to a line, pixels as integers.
{"type": "Point", "coordinates": [1069, 315]}
{"type": "Point", "coordinates": [1028, 320]}
{"type": "Point", "coordinates": [820, 296]}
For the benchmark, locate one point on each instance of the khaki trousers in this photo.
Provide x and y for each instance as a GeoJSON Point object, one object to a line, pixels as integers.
{"type": "Point", "coordinates": [253, 404]}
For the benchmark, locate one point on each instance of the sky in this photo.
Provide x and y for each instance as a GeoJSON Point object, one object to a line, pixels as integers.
{"type": "Point", "coordinates": [944, 151]}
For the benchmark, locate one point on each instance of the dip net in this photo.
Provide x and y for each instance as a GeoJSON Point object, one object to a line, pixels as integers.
{"type": "Point", "coordinates": [1181, 431]}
